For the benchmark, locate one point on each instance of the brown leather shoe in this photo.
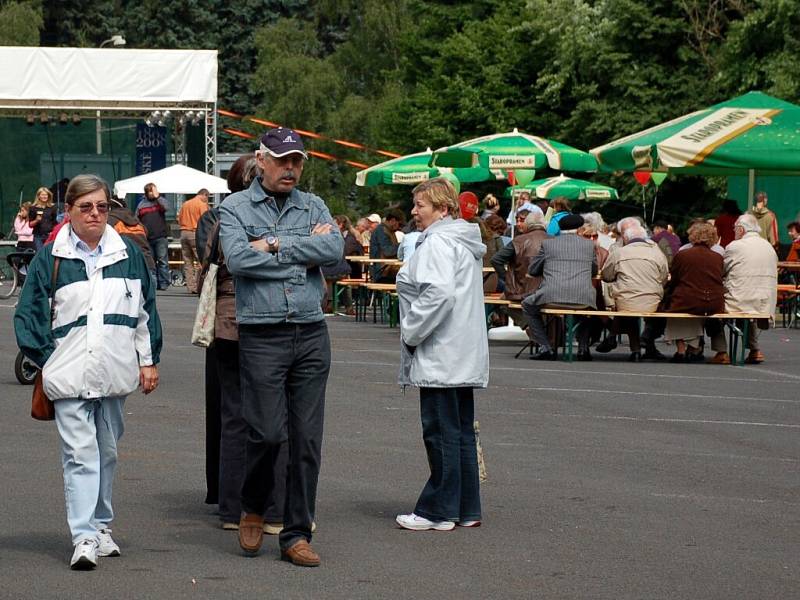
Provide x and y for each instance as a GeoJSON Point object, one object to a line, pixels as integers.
{"type": "Point", "coordinates": [721, 358]}
{"type": "Point", "coordinates": [755, 357]}
{"type": "Point", "coordinates": [301, 554]}
{"type": "Point", "coordinates": [251, 532]}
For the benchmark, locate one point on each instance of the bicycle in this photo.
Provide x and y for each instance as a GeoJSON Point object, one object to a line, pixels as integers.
{"type": "Point", "coordinates": [12, 273]}
{"type": "Point", "coordinates": [8, 280]}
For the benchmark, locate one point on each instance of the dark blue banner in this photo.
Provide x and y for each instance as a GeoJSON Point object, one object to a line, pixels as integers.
{"type": "Point", "coordinates": [151, 150]}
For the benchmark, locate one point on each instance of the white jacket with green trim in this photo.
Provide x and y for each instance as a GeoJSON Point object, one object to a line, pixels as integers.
{"type": "Point", "coordinates": [105, 326]}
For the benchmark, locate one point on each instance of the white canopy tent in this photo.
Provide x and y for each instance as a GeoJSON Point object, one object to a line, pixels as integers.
{"type": "Point", "coordinates": [114, 83]}
{"type": "Point", "coordinates": [177, 179]}
{"type": "Point", "coordinates": [89, 75]}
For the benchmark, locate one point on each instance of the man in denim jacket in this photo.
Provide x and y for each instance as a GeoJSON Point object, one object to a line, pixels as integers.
{"type": "Point", "coordinates": [275, 239]}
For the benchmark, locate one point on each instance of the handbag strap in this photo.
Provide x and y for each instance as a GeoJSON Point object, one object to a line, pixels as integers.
{"type": "Point", "coordinates": [56, 264]}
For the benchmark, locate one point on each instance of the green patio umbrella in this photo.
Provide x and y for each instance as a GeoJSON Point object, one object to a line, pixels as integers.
{"type": "Point", "coordinates": [414, 168]}
{"type": "Point", "coordinates": [754, 132]}
{"type": "Point", "coordinates": [572, 189]}
{"type": "Point", "coordinates": [514, 150]}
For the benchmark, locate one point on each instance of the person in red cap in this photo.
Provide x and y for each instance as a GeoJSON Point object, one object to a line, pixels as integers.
{"type": "Point", "coordinates": [468, 203]}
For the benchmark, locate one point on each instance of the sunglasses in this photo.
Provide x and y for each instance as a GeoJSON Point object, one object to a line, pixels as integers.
{"type": "Point", "coordinates": [86, 207]}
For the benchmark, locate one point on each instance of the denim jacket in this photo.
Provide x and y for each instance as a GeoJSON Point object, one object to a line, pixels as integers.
{"type": "Point", "coordinates": [287, 286]}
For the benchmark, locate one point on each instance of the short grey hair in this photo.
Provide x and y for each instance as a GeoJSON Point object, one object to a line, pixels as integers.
{"type": "Point", "coordinates": [749, 223]}
{"type": "Point", "coordinates": [627, 222]}
{"type": "Point", "coordinates": [595, 219]}
{"type": "Point", "coordinates": [634, 231]}
{"type": "Point", "coordinates": [535, 220]}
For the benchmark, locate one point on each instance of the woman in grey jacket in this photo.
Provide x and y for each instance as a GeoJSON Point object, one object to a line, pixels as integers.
{"type": "Point", "coordinates": [444, 351]}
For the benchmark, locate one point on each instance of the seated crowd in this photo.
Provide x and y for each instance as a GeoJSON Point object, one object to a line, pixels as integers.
{"type": "Point", "coordinates": [568, 260]}
{"type": "Point", "coordinates": [632, 270]}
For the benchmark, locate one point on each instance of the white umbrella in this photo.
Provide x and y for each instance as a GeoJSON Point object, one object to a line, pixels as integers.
{"type": "Point", "coordinates": [177, 179]}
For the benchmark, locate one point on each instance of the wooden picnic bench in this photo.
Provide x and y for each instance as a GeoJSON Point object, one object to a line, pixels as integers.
{"type": "Point", "coordinates": [736, 341]}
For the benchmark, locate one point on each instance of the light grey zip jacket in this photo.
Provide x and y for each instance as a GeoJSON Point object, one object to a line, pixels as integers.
{"type": "Point", "coordinates": [442, 317]}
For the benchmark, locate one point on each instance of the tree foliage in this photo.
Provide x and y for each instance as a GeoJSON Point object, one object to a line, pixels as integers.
{"type": "Point", "coordinates": [20, 22]}
{"type": "Point", "coordinates": [424, 73]}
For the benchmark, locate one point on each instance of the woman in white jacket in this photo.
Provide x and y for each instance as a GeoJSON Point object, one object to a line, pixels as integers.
{"type": "Point", "coordinates": [100, 342]}
{"type": "Point", "coordinates": [445, 353]}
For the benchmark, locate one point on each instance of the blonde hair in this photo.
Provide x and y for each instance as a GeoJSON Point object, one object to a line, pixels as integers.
{"type": "Point", "coordinates": [85, 184]}
{"type": "Point", "coordinates": [490, 202]}
{"type": "Point", "coordinates": [49, 202]}
{"type": "Point", "coordinates": [561, 204]}
{"type": "Point", "coordinates": [440, 193]}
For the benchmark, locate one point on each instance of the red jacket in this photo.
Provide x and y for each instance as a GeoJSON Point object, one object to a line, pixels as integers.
{"type": "Point", "coordinates": [56, 229]}
{"type": "Point", "coordinates": [724, 224]}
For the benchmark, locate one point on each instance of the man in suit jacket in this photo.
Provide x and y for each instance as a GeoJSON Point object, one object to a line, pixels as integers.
{"type": "Point", "coordinates": [566, 265]}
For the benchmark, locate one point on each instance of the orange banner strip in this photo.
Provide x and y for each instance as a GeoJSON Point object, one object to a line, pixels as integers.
{"type": "Point", "coordinates": [311, 134]}
{"type": "Point", "coordinates": [250, 136]}
{"type": "Point", "coordinates": [355, 164]}
{"type": "Point", "coordinates": [262, 122]}
{"type": "Point", "coordinates": [238, 133]}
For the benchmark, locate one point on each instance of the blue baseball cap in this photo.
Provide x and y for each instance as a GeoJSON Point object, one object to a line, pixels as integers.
{"type": "Point", "coordinates": [280, 142]}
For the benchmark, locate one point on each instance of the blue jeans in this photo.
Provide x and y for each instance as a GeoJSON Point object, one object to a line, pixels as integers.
{"type": "Point", "coordinates": [452, 492]}
{"type": "Point", "coordinates": [160, 249]}
{"type": "Point", "coordinates": [89, 431]}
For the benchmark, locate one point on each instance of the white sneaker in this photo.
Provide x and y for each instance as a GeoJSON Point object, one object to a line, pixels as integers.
{"type": "Point", "coordinates": [469, 523]}
{"type": "Point", "coordinates": [85, 556]}
{"type": "Point", "coordinates": [106, 545]}
{"type": "Point", "coordinates": [417, 523]}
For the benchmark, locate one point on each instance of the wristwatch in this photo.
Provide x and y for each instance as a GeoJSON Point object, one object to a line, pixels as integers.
{"type": "Point", "coordinates": [272, 242]}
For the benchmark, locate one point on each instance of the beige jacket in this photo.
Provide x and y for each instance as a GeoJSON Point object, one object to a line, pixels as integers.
{"type": "Point", "coordinates": [750, 272]}
{"type": "Point", "coordinates": [636, 274]}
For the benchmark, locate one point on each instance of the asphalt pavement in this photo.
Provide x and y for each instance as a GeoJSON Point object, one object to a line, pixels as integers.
{"type": "Point", "coordinates": [606, 480]}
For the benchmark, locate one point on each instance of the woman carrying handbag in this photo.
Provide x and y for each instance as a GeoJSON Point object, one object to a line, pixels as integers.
{"type": "Point", "coordinates": [103, 342]}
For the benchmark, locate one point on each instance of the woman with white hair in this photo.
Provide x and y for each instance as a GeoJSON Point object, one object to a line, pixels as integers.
{"type": "Point", "coordinates": [444, 351]}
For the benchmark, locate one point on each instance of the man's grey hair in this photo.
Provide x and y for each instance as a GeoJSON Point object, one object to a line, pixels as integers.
{"type": "Point", "coordinates": [627, 222]}
{"type": "Point", "coordinates": [634, 231]}
{"type": "Point", "coordinates": [749, 223]}
{"type": "Point", "coordinates": [534, 220]}
{"type": "Point", "coordinates": [595, 219]}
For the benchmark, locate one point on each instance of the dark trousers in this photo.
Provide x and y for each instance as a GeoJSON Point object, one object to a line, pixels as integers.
{"type": "Point", "coordinates": [452, 492]}
{"type": "Point", "coordinates": [212, 426]}
{"type": "Point", "coordinates": [629, 326]}
{"type": "Point", "coordinates": [284, 370]}
{"type": "Point", "coordinates": [233, 440]}
{"type": "Point", "coordinates": [539, 334]}
{"type": "Point", "coordinates": [654, 328]}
